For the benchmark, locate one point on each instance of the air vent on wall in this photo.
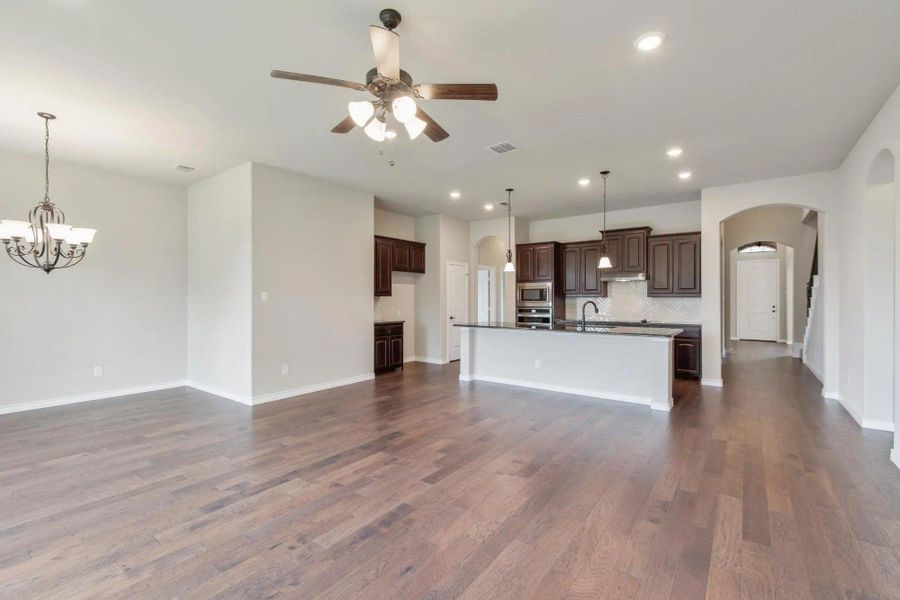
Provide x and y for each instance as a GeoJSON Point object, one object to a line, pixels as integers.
{"type": "Point", "coordinates": [503, 147]}
{"type": "Point", "coordinates": [185, 169]}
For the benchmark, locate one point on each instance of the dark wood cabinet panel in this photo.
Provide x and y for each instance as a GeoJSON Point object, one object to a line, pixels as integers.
{"type": "Point", "coordinates": [571, 270]}
{"type": "Point", "coordinates": [614, 251]}
{"type": "Point", "coordinates": [674, 265]}
{"type": "Point", "coordinates": [687, 356]}
{"type": "Point", "coordinates": [659, 273]}
{"type": "Point", "coordinates": [388, 346]}
{"type": "Point", "coordinates": [401, 260]}
{"type": "Point", "coordinates": [591, 285]}
{"type": "Point", "coordinates": [417, 257]}
{"type": "Point", "coordinates": [544, 259]}
{"type": "Point", "coordinates": [687, 265]}
{"type": "Point", "coordinates": [383, 255]}
{"type": "Point", "coordinates": [634, 248]}
{"type": "Point", "coordinates": [524, 263]}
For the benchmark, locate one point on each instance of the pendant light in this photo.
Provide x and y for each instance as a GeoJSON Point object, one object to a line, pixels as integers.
{"type": "Point", "coordinates": [605, 262]}
{"type": "Point", "coordinates": [510, 267]}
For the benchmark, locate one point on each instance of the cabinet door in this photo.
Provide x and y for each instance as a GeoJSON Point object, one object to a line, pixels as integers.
{"type": "Point", "coordinates": [634, 250]}
{"type": "Point", "coordinates": [687, 265]}
{"type": "Point", "coordinates": [661, 259]}
{"type": "Point", "coordinates": [383, 253]}
{"type": "Point", "coordinates": [396, 343]}
{"type": "Point", "coordinates": [572, 268]}
{"type": "Point", "coordinates": [525, 264]}
{"type": "Point", "coordinates": [614, 251]}
{"type": "Point", "coordinates": [687, 357]}
{"type": "Point", "coordinates": [543, 263]}
{"type": "Point", "coordinates": [416, 257]}
{"type": "Point", "coordinates": [401, 259]}
{"type": "Point", "coordinates": [382, 353]}
{"type": "Point", "coordinates": [590, 274]}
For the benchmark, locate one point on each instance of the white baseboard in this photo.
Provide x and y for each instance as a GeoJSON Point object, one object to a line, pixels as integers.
{"type": "Point", "coordinates": [831, 395]}
{"type": "Point", "coordinates": [78, 398]}
{"type": "Point", "coordinates": [878, 425]}
{"type": "Point", "coordinates": [209, 389]}
{"type": "Point", "coordinates": [309, 389]}
{"type": "Point", "coordinates": [712, 382]}
{"type": "Point", "coordinates": [433, 361]}
{"type": "Point", "coordinates": [797, 349]}
{"type": "Point", "coordinates": [562, 389]}
{"type": "Point", "coordinates": [847, 406]}
{"type": "Point", "coordinates": [895, 457]}
{"type": "Point", "coordinates": [409, 359]}
{"type": "Point", "coordinates": [813, 370]}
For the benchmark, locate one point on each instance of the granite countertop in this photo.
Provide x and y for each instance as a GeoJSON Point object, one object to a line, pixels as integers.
{"type": "Point", "coordinates": [609, 322]}
{"type": "Point", "coordinates": [394, 322]}
{"type": "Point", "coordinates": [573, 328]}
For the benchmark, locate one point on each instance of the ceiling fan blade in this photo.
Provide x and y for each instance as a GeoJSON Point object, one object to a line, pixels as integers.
{"type": "Point", "coordinates": [344, 126]}
{"type": "Point", "coordinates": [386, 45]}
{"type": "Point", "coordinates": [316, 79]}
{"type": "Point", "coordinates": [456, 91]}
{"type": "Point", "coordinates": [435, 132]}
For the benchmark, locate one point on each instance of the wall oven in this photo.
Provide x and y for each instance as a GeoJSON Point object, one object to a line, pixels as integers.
{"type": "Point", "coordinates": [534, 294]}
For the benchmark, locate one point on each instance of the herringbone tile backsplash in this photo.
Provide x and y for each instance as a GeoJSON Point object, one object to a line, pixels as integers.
{"type": "Point", "coordinates": [628, 301]}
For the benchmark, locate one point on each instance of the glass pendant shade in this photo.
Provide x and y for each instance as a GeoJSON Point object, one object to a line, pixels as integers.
{"type": "Point", "coordinates": [58, 231]}
{"type": "Point", "coordinates": [361, 112]}
{"type": "Point", "coordinates": [375, 130]}
{"type": "Point", "coordinates": [604, 263]}
{"type": "Point", "coordinates": [414, 127]}
{"type": "Point", "coordinates": [4, 233]}
{"type": "Point", "coordinates": [509, 268]}
{"type": "Point", "coordinates": [16, 229]}
{"type": "Point", "coordinates": [404, 108]}
{"type": "Point", "coordinates": [82, 235]}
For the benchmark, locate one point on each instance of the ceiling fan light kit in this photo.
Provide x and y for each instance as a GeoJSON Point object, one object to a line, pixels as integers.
{"type": "Point", "coordinates": [394, 90]}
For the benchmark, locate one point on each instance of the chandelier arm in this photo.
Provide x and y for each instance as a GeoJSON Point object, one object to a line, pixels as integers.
{"type": "Point", "coordinates": [72, 261]}
{"type": "Point", "coordinates": [20, 258]}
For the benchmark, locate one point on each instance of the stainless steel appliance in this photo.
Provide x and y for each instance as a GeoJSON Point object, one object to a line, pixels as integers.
{"type": "Point", "coordinates": [535, 305]}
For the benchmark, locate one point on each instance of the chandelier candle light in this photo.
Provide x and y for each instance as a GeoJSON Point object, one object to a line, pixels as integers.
{"type": "Point", "coordinates": [605, 262]}
{"type": "Point", "coordinates": [45, 241]}
{"type": "Point", "coordinates": [509, 267]}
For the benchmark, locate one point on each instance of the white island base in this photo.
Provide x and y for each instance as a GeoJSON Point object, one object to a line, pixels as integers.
{"type": "Point", "coordinates": [627, 368]}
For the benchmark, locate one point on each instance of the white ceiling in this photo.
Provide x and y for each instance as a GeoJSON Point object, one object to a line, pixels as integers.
{"type": "Point", "coordinates": [751, 90]}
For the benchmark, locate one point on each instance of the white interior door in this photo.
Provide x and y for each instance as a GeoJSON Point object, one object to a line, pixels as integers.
{"type": "Point", "coordinates": [484, 294]}
{"type": "Point", "coordinates": [457, 304]}
{"type": "Point", "coordinates": [757, 299]}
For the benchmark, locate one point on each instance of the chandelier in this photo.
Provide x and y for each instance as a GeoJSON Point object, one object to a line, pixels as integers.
{"type": "Point", "coordinates": [45, 241]}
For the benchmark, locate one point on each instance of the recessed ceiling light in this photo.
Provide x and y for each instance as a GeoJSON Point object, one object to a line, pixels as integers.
{"type": "Point", "coordinates": [488, 207]}
{"type": "Point", "coordinates": [390, 134]}
{"type": "Point", "coordinates": [685, 175]}
{"type": "Point", "coordinates": [455, 195]}
{"type": "Point", "coordinates": [674, 152]}
{"type": "Point", "coordinates": [649, 41]}
{"type": "Point", "coordinates": [584, 181]}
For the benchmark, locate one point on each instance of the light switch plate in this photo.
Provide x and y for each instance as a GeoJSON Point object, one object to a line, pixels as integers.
{"type": "Point", "coordinates": [264, 296]}
{"type": "Point", "coordinates": [98, 371]}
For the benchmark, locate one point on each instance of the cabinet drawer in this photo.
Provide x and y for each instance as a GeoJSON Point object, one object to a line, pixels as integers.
{"type": "Point", "coordinates": [381, 330]}
{"type": "Point", "coordinates": [396, 329]}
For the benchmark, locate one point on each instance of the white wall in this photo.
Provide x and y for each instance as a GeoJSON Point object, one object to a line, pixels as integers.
{"type": "Point", "coordinates": [401, 304]}
{"type": "Point", "coordinates": [122, 308]}
{"type": "Point", "coordinates": [817, 191]}
{"type": "Point", "coordinates": [313, 255]}
{"type": "Point", "coordinates": [219, 321]}
{"type": "Point", "coordinates": [666, 218]}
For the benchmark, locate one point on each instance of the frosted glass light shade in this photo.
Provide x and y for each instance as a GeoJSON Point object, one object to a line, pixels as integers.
{"type": "Point", "coordinates": [404, 108]}
{"type": "Point", "coordinates": [375, 130]}
{"type": "Point", "coordinates": [361, 112]}
{"type": "Point", "coordinates": [58, 231]}
{"type": "Point", "coordinates": [604, 263]}
{"type": "Point", "coordinates": [509, 268]}
{"type": "Point", "coordinates": [414, 127]}
{"type": "Point", "coordinates": [81, 235]}
{"type": "Point", "coordinates": [16, 229]}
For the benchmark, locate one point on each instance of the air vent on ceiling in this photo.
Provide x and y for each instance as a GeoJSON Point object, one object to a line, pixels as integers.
{"type": "Point", "coordinates": [503, 147]}
{"type": "Point", "coordinates": [185, 169]}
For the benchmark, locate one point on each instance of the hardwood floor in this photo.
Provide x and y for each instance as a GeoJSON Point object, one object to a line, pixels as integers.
{"type": "Point", "coordinates": [415, 486]}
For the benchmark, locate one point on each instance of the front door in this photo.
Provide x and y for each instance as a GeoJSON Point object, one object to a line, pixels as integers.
{"type": "Point", "coordinates": [457, 304]}
{"type": "Point", "coordinates": [757, 299]}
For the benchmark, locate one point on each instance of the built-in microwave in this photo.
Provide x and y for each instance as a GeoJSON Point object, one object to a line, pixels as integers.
{"type": "Point", "coordinates": [534, 294]}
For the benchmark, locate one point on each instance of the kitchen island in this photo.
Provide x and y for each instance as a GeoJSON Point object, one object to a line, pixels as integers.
{"type": "Point", "coordinates": [628, 364]}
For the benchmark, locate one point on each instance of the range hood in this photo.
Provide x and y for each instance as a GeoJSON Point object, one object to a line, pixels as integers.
{"type": "Point", "coordinates": [623, 277]}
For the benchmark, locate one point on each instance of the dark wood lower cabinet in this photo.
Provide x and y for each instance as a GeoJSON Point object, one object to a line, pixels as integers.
{"type": "Point", "coordinates": [687, 354]}
{"type": "Point", "coordinates": [388, 346]}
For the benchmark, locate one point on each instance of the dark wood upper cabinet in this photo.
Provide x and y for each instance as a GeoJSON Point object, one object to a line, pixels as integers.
{"type": "Point", "coordinates": [383, 252]}
{"type": "Point", "coordinates": [524, 263]}
{"type": "Point", "coordinates": [538, 262]}
{"type": "Point", "coordinates": [581, 276]}
{"type": "Point", "coordinates": [627, 249]}
{"type": "Point", "coordinates": [571, 270]}
{"type": "Point", "coordinates": [401, 259]}
{"type": "Point", "coordinates": [674, 268]}
{"type": "Point", "coordinates": [544, 259]}
{"type": "Point", "coordinates": [659, 274]}
{"type": "Point", "coordinates": [393, 254]}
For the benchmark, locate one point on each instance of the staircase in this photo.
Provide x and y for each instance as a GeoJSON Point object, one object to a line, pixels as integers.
{"type": "Point", "coordinates": [812, 296]}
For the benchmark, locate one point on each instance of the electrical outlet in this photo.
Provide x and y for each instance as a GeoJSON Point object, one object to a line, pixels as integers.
{"type": "Point", "coordinates": [264, 296]}
{"type": "Point", "coordinates": [284, 369]}
{"type": "Point", "coordinates": [98, 371]}
{"type": "Point", "coordinates": [537, 363]}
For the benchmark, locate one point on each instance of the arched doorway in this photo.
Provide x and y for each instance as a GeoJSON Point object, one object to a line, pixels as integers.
{"type": "Point", "coordinates": [491, 285]}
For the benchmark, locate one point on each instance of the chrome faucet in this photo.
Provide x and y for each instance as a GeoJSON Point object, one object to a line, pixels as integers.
{"type": "Point", "coordinates": [583, 309]}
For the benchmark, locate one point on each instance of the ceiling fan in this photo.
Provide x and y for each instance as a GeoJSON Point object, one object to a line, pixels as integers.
{"type": "Point", "coordinates": [394, 90]}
